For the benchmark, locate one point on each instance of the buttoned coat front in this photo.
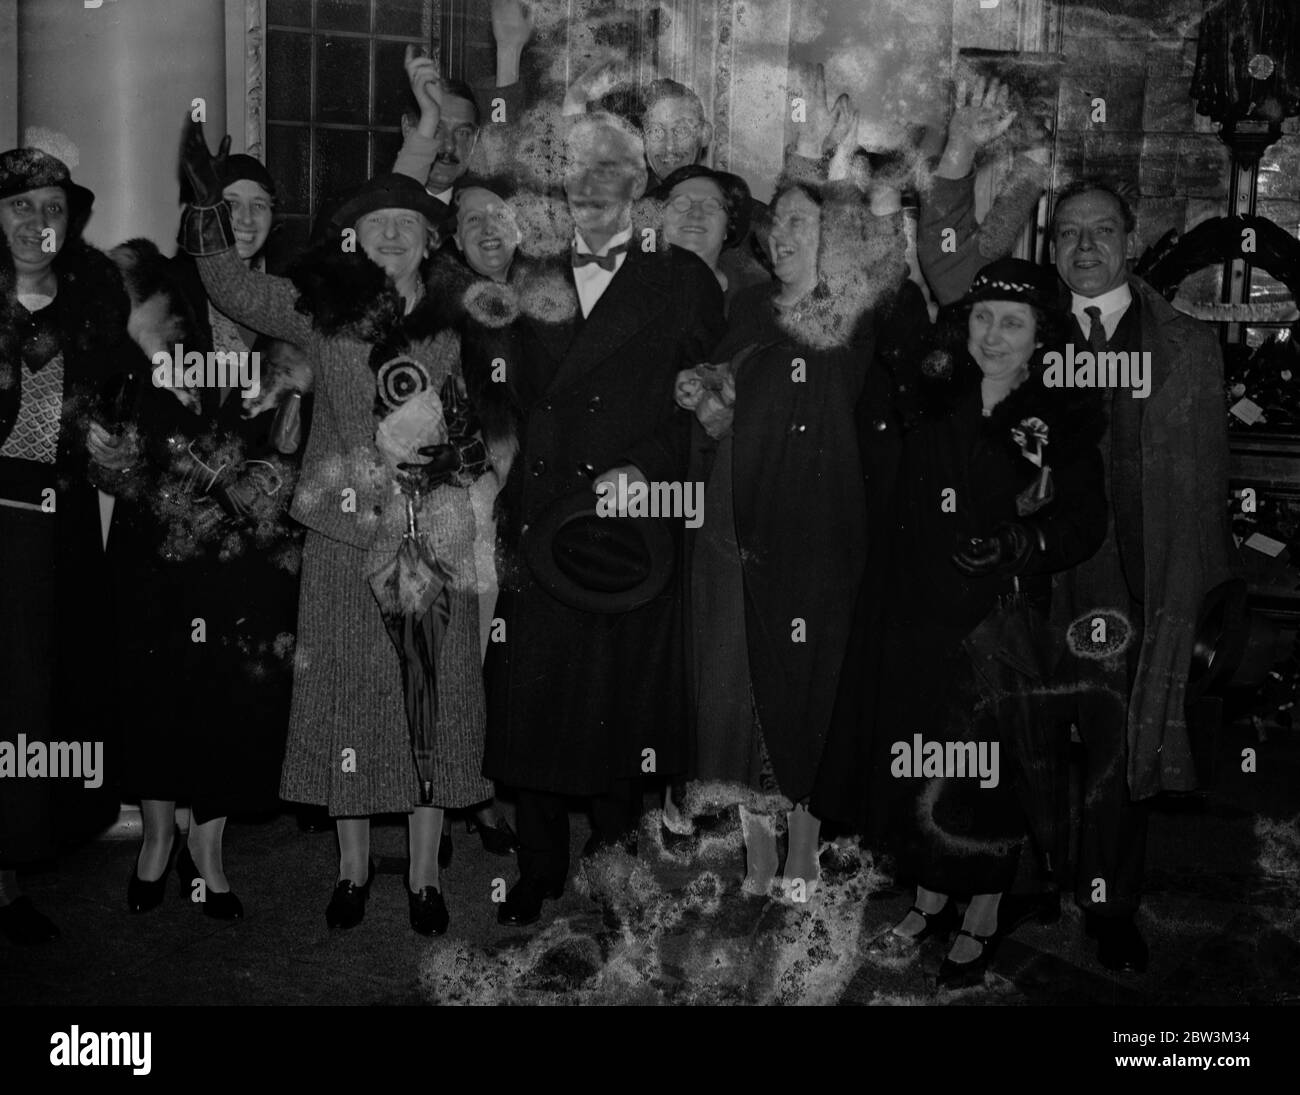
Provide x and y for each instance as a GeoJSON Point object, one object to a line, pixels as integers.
{"type": "Point", "coordinates": [576, 699]}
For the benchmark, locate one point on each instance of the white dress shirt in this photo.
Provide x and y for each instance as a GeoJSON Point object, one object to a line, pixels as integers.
{"type": "Point", "coordinates": [1113, 305]}
{"type": "Point", "coordinates": [592, 280]}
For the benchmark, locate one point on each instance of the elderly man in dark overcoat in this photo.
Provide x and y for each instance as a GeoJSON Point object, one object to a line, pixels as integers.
{"type": "Point", "coordinates": [584, 702]}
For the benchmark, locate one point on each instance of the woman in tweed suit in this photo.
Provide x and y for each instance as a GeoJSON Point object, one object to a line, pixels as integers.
{"type": "Point", "coordinates": [362, 315]}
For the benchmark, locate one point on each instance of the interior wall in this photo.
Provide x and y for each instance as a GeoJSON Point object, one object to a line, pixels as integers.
{"type": "Point", "coordinates": [113, 85]}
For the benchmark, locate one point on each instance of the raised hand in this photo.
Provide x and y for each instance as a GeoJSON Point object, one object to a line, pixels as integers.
{"type": "Point", "coordinates": [202, 169]}
{"type": "Point", "coordinates": [981, 114]}
{"type": "Point", "coordinates": [426, 85]}
{"type": "Point", "coordinates": [512, 23]}
{"type": "Point", "coordinates": [824, 125]}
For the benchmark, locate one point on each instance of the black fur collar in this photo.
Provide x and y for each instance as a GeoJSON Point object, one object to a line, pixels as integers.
{"type": "Point", "coordinates": [347, 294]}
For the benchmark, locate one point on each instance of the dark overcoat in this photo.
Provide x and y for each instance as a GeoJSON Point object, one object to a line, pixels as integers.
{"type": "Point", "coordinates": [800, 521]}
{"type": "Point", "coordinates": [575, 698]}
{"type": "Point", "coordinates": [87, 324]}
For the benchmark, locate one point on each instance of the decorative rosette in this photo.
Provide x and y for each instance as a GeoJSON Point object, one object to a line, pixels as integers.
{"type": "Point", "coordinates": [399, 379]}
{"type": "Point", "coordinates": [1031, 436]}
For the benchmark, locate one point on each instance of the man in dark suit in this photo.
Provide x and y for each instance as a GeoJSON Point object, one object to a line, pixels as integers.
{"type": "Point", "coordinates": [1166, 455]}
{"type": "Point", "coordinates": [583, 703]}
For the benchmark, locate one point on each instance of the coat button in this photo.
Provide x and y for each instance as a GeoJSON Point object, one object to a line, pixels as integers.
{"type": "Point", "coordinates": [880, 425]}
{"type": "Point", "coordinates": [545, 405]}
{"type": "Point", "coordinates": [539, 466]}
{"type": "Point", "coordinates": [594, 405]}
{"type": "Point", "coordinates": [797, 428]}
{"type": "Point", "coordinates": [587, 471]}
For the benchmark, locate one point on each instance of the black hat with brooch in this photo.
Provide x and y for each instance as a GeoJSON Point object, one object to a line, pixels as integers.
{"type": "Point", "coordinates": [594, 563]}
{"type": "Point", "coordinates": [23, 169]}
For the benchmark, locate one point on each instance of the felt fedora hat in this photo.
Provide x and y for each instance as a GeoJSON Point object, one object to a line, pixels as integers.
{"type": "Point", "coordinates": [595, 563]}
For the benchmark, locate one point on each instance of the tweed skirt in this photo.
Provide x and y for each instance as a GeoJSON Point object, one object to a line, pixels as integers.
{"type": "Point", "coordinates": [348, 684]}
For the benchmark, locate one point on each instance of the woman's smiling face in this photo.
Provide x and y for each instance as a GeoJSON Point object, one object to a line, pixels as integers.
{"type": "Point", "coordinates": [396, 239]}
{"type": "Point", "coordinates": [1003, 336]}
{"type": "Point", "coordinates": [793, 240]}
{"type": "Point", "coordinates": [700, 224]}
{"type": "Point", "coordinates": [250, 215]}
{"type": "Point", "coordinates": [486, 232]}
{"type": "Point", "coordinates": [25, 219]}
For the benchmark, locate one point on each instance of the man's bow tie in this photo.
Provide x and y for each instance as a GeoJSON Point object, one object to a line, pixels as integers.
{"type": "Point", "coordinates": [605, 262]}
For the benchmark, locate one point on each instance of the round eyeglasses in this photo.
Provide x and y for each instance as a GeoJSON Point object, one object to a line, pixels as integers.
{"type": "Point", "coordinates": [682, 131]}
{"type": "Point", "coordinates": [683, 205]}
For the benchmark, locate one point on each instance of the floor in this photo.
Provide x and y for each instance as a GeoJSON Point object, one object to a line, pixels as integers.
{"type": "Point", "coordinates": [1222, 916]}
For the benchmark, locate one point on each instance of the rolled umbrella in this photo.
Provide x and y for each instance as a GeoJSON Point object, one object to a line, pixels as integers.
{"type": "Point", "coordinates": [413, 596]}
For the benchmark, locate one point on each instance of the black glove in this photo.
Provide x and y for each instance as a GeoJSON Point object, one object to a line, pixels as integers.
{"type": "Point", "coordinates": [1005, 552]}
{"type": "Point", "coordinates": [443, 466]}
{"type": "Point", "coordinates": [201, 168]}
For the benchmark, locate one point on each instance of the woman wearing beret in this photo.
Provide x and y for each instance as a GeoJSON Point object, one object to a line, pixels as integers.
{"type": "Point", "coordinates": [63, 335]}
{"type": "Point", "coordinates": [202, 540]}
{"type": "Point", "coordinates": [383, 358]}
{"type": "Point", "coordinates": [1000, 487]}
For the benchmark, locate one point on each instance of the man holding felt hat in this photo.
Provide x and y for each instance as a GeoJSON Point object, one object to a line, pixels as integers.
{"type": "Point", "coordinates": [585, 693]}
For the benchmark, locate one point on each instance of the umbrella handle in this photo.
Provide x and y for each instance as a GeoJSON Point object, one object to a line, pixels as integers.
{"type": "Point", "coordinates": [411, 527]}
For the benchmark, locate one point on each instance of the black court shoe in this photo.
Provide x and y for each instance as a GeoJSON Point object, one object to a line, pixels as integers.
{"type": "Point", "coordinates": [141, 896]}
{"type": "Point", "coordinates": [347, 907]}
{"type": "Point", "coordinates": [498, 839]}
{"type": "Point", "coordinates": [964, 975]}
{"type": "Point", "coordinates": [429, 915]}
{"type": "Point", "coordinates": [941, 924]}
{"type": "Point", "coordinates": [219, 906]}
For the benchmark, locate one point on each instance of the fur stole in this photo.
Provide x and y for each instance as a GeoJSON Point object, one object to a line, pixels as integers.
{"type": "Point", "coordinates": [168, 307]}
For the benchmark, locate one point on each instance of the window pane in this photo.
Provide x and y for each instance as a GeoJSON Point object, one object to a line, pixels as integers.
{"type": "Point", "coordinates": [342, 80]}
{"type": "Point", "coordinates": [399, 17]}
{"type": "Point", "coordinates": [288, 76]}
{"type": "Point", "coordinates": [288, 159]}
{"type": "Point", "coordinates": [386, 146]}
{"type": "Point", "coordinates": [343, 14]}
{"type": "Point", "coordinates": [392, 91]}
{"type": "Point", "coordinates": [340, 163]}
{"type": "Point", "coordinates": [293, 13]}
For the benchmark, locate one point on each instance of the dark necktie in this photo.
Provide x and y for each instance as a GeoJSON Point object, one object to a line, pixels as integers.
{"type": "Point", "coordinates": [1096, 332]}
{"type": "Point", "coordinates": [605, 262]}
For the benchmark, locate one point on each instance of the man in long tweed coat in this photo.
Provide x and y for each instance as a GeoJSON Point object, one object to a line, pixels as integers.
{"type": "Point", "coordinates": [583, 703]}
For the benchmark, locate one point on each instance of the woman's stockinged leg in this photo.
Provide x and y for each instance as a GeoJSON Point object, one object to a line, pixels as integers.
{"type": "Point", "coordinates": [928, 901]}
{"type": "Point", "coordinates": [981, 919]}
{"type": "Point", "coordinates": [354, 849]}
{"type": "Point", "coordinates": [760, 851]}
{"type": "Point", "coordinates": [801, 859]}
{"type": "Point", "coordinates": [158, 819]}
{"type": "Point", "coordinates": [426, 827]}
{"type": "Point", "coordinates": [205, 846]}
